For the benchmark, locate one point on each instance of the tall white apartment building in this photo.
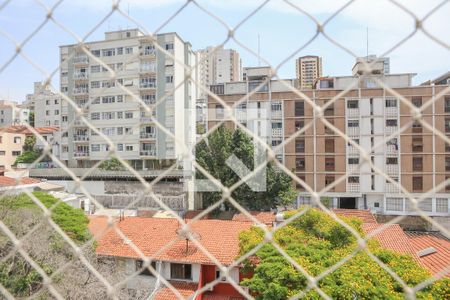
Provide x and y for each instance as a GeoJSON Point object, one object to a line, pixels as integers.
{"type": "Point", "coordinates": [143, 71]}
{"type": "Point", "coordinates": [11, 113]}
{"type": "Point", "coordinates": [46, 105]}
{"type": "Point", "coordinates": [308, 69]}
{"type": "Point", "coordinates": [218, 66]}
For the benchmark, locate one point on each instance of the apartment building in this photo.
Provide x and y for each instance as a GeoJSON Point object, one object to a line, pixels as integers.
{"type": "Point", "coordinates": [11, 144]}
{"type": "Point", "coordinates": [46, 105]}
{"type": "Point", "coordinates": [308, 69]}
{"type": "Point", "coordinates": [11, 113]}
{"type": "Point", "coordinates": [370, 115]}
{"type": "Point", "coordinates": [143, 71]}
{"type": "Point", "coordinates": [218, 65]}
{"type": "Point", "coordinates": [385, 62]}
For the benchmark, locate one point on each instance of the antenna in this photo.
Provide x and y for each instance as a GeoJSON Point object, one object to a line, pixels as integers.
{"type": "Point", "coordinates": [259, 51]}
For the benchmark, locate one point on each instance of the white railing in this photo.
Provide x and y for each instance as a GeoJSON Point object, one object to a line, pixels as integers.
{"type": "Point", "coordinates": [277, 132]}
{"type": "Point", "coordinates": [80, 75]}
{"type": "Point", "coordinates": [78, 91]}
{"type": "Point", "coordinates": [81, 138]}
{"type": "Point", "coordinates": [353, 131]}
{"type": "Point", "coordinates": [151, 152]}
{"type": "Point", "coordinates": [392, 168]}
{"type": "Point", "coordinates": [391, 111]}
{"type": "Point", "coordinates": [81, 154]}
{"type": "Point", "coordinates": [353, 187]}
{"type": "Point", "coordinates": [353, 112]}
{"type": "Point", "coordinates": [148, 135]}
{"type": "Point", "coordinates": [80, 59]}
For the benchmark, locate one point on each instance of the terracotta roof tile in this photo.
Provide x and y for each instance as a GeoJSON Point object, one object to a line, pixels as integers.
{"type": "Point", "coordinates": [186, 289]}
{"type": "Point", "coordinates": [221, 297]}
{"type": "Point", "coordinates": [365, 215]}
{"type": "Point", "coordinates": [9, 181]}
{"type": "Point", "coordinates": [434, 262]}
{"type": "Point", "coordinates": [150, 235]}
{"type": "Point", "coordinates": [265, 217]}
{"type": "Point", "coordinates": [22, 129]}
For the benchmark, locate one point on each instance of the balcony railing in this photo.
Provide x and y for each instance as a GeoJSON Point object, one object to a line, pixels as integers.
{"type": "Point", "coordinates": [146, 120]}
{"type": "Point", "coordinates": [277, 132]}
{"type": "Point", "coordinates": [80, 59]}
{"type": "Point", "coordinates": [81, 154]}
{"type": "Point", "coordinates": [391, 150]}
{"type": "Point", "coordinates": [151, 85]}
{"type": "Point", "coordinates": [148, 135]}
{"type": "Point", "coordinates": [80, 75]}
{"type": "Point", "coordinates": [353, 112]}
{"type": "Point", "coordinates": [353, 187]}
{"type": "Point", "coordinates": [151, 152]}
{"type": "Point", "coordinates": [391, 112]}
{"type": "Point", "coordinates": [276, 114]}
{"type": "Point", "coordinates": [392, 188]}
{"type": "Point", "coordinates": [352, 151]}
{"type": "Point", "coordinates": [79, 91]}
{"type": "Point", "coordinates": [81, 138]}
{"type": "Point", "coordinates": [391, 129]}
{"type": "Point", "coordinates": [392, 168]}
{"type": "Point", "coordinates": [353, 131]}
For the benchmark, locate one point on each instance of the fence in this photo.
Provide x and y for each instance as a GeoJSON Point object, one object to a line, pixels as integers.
{"type": "Point", "coordinates": [112, 284]}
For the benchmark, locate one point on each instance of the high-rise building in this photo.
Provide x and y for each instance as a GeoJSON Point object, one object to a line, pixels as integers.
{"type": "Point", "coordinates": [308, 68]}
{"type": "Point", "coordinates": [368, 114]}
{"type": "Point", "coordinates": [218, 65]}
{"type": "Point", "coordinates": [142, 71]}
{"type": "Point", "coordinates": [46, 106]}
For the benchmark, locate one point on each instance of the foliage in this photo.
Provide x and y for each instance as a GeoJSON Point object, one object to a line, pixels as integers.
{"type": "Point", "coordinates": [212, 156]}
{"type": "Point", "coordinates": [112, 164]}
{"type": "Point", "coordinates": [31, 119]}
{"type": "Point", "coordinates": [28, 157]}
{"type": "Point", "coordinates": [30, 142]}
{"type": "Point", "coordinates": [317, 242]}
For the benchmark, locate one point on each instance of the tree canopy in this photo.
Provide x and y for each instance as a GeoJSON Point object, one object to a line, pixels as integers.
{"type": "Point", "coordinates": [212, 156]}
{"type": "Point", "coordinates": [112, 164]}
{"type": "Point", "coordinates": [317, 242]}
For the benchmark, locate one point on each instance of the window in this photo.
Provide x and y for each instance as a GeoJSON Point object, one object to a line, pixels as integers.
{"type": "Point", "coordinates": [47, 113]}
{"type": "Point", "coordinates": [391, 102]}
{"type": "Point", "coordinates": [95, 147]}
{"type": "Point", "coordinates": [327, 129]}
{"type": "Point", "coordinates": [169, 46]}
{"type": "Point", "coordinates": [95, 69]}
{"type": "Point", "coordinates": [108, 115]}
{"type": "Point", "coordinates": [299, 108]}
{"type": "Point", "coordinates": [276, 106]}
{"type": "Point", "coordinates": [394, 204]}
{"type": "Point", "coordinates": [353, 161]}
{"type": "Point", "coordinates": [300, 146]}
{"type": "Point", "coordinates": [391, 160]}
{"type": "Point", "coordinates": [329, 111]}
{"type": "Point", "coordinates": [95, 116]}
{"type": "Point", "coordinates": [329, 180]}
{"type": "Point", "coordinates": [353, 123]}
{"type": "Point", "coordinates": [56, 112]}
{"type": "Point", "coordinates": [129, 147]}
{"type": "Point", "coordinates": [119, 146]}
{"type": "Point", "coordinates": [169, 79]}
{"type": "Point", "coordinates": [417, 144]}
{"type": "Point", "coordinates": [16, 153]}
{"type": "Point", "coordinates": [391, 122]}
{"type": "Point", "coordinates": [353, 179]}
{"type": "Point", "coordinates": [1, 139]}
{"type": "Point", "coordinates": [416, 127]}
{"type": "Point", "coordinates": [329, 163]}
{"type": "Point", "coordinates": [120, 115]}
{"type": "Point", "coordinates": [144, 271]}
{"type": "Point", "coordinates": [219, 111]}
{"type": "Point", "coordinates": [17, 140]}
{"type": "Point", "coordinates": [447, 124]}
{"type": "Point", "coordinates": [47, 102]}
{"type": "Point", "coordinates": [329, 145]}
{"type": "Point", "coordinates": [148, 82]}
{"type": "Point", "coordinates": [181, 271]}
{"type": "Point", "coordinates": [447, 104]}
{"type": "Point", "coordinates": [218, 275]}
{"type": "Point", "coordinates": [120, 51]}
{"type": "Point", "coordinates": [442, 205]}
{"type": "Point", "coordinates": [129, 50]}
{"type": "Point", "coordinates": [352, 104]}
{"type": "Point", "coordinates": [299, 125]}
{"type": "Point", "coordinates": [128, 130]}
{"type": "Point", "coordinates": [109, 52]}
{"type": "Point", "coordinates": [418, 163]}
{"type": "Point", "coordinates": [119, 130]}
{"type": "Point", "coordinates": [2, 153]}
{"type": "Point", "coordinates": [447, 163]}
{"type": "Point", "coordinates": [128, 115]}
{"type": "Point", "coordinates": [108, 83]}
{"type": "Point", "coordinates": [416, 101]}
{"type": "Point", "coordinates": [95, 53]}
{"type": "Point", "coordinates": [95, 84]}
{"type": "Point", "coordinates": [417, 183]}
{"type": "Point", "coordinates": [300, 164]}
{"type": "Point", "coordinates": [108, 99]}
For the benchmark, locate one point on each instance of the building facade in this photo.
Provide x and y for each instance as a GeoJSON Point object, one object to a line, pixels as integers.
{"type": "Point", "coordinates": [308, 69]}
{"type": "Point", "coordinates": [46, 105]}
{"type": "Point", "coordinates": [142, 72]}
{"type": "Point", "coordinates": [218, 66]}
{"type": "Point", "coordinates": [417, 158]}
{"type": "Point", "coordinates": [11, 144]}
{"type": "Point", "coordinates": [11, 113]}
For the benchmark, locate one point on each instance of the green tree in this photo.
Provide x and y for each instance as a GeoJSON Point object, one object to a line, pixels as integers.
{"type": "Point", "coordinates": [29, 143]}
{"type": "Point", "coordinates": [112, 164]}
{"type": "Point", "coordinates": [317, 242]}
{"type": "Point", "coordinates": [31, 119]}
{"type": "Point", "coordinates": [212, 156]}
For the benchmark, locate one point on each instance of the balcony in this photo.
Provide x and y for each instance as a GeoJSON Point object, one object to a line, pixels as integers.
{"type": "Point", "coordinates": [81, 138]}
{"type": "Point", "coordinates": [81, 59]}
{"type": "Point", "coordinates": [148, 135]}
{"type": "Point", "coordinates": [276, 114]}
{"type": "Point", "coordinates": [353, 112]}
{"type": "Point", "coordinates": [391, 112]}
{"type": "Point", "coordinates": [80, 91]}
{"type": "Point", "coordinates": [391, 150]}
{"type": "Point", "coordinates": [147, 85]}
{"type": "Point", "coordinates": [146, 120]}
{"type": "Point", "coordinates": [391, 129]}
{"type": "Point", "coordinates": [81, 154]}
{"type": "Point", "coordinates": [353, 169]}
{"type": "Point", "coordinates": [277, 132]}
{"type": "Point", "coordinates": [392, 188]}
{"type": "Point", "coordinates": [352, 131]}
{"type": "Point", "coordinates": [151, 152]}
{"type": "Point", "coordinates": [392, 169]}
{"type": "Point", "coordinates": [80, 75]}
{"type": "Point", "coordinates": [353, 187]}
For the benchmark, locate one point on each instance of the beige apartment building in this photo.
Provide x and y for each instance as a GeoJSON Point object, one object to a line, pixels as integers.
{"type": "Point", "coordinates": [308, 69]}
{"type": "Point", "coordinates": [417, 158]}
{"type": "Point", "coordinates": [11, 144]}
{"type": "Point", "coordinates": [11, 113]}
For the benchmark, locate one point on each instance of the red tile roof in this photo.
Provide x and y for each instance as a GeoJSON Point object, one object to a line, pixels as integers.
{"type": "Point", "coordinates": [151, 235]}
{"type": "Point", "coordinates": [365, 215]}
{"type": "Point", "coordinates": [9, 181]}
{"type": "Point", "coordinates": [186, 289]}
{"type": "Point", "coordinates": [391, 237]}
{"type": "Point", "coordinates": [221, 297]}
{"type": "Point", "coordinates": [434, 262]}
{"type": "Point", "coordinates": [265, 217]}
{"type": "Point", "coordinates": [22, 129]}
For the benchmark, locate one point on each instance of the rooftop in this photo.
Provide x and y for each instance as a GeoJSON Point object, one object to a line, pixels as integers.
{"type": "Point", "coordinates": [10, 182]}
{"type": "Point", "coordinates": [186, 289]}
{"type": "Point", "coordinates": [22, 129]}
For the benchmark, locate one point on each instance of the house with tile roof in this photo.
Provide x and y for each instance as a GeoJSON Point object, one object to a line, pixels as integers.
{"type": "Point", "coordinates": [17, 185]}
{"type": "Point", "coordinates": [186, 265]}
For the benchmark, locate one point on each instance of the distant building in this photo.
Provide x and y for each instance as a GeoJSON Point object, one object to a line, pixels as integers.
{"type": "Point", "coordinates": [218, 65]}
{"type": "Point", "coordinates": [382, 65]}
{"type": "Point", "coordinates": [308, 68]}
{"type": "Point", "coordinates": [444, 79]}
{"type": "Point", "coordinates": [11, 145]}
{"type": "Point", "coordinates": [46, 105]}
{"type": "Point", "coordinates": [11, 113]}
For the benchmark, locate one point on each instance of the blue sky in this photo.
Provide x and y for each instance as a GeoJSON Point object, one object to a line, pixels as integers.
{"type": "Point", "coordinates": [282, 31]}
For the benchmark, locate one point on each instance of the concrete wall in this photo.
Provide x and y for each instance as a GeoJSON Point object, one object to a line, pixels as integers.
{"type": "Point", "coordinates": [416, 222]}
